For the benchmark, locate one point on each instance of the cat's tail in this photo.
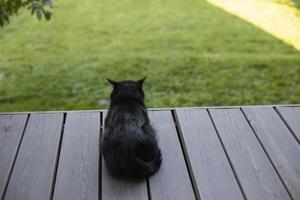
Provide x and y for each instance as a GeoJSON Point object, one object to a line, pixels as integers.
{"type": "Point", "coordinates": [148, 158]}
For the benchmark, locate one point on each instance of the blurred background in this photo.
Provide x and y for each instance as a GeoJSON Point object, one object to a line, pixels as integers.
{"type": "Point", "coordinates": [194, 53]}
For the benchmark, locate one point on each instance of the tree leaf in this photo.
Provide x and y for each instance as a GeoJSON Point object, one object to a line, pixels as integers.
{"type": "Point", "coordinates": [38, 14]}
{"type": "Point", "coordinates": [35, 7]}
{"type": "Point", "coordinates": [47, 15]}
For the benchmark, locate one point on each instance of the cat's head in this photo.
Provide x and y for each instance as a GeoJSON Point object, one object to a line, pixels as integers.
{"type": "Point", "coordinates": [124, 91]}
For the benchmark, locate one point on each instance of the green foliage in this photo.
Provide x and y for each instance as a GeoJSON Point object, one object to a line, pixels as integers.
{"type": "Point", "coordinates": [40, 8]}
{"type": "Point", "coordinates": [193, 53]}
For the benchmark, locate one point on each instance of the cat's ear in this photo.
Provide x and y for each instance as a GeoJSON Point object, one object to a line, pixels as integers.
{"type": "Point", "coordinates": [141, 81]}
{"type": "Point", "coordinates": [114, 83]}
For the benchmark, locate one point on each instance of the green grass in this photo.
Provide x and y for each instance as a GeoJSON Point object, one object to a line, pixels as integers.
{"type": "Point", "coordinates": [293, 3]}
{"type": "Point", "coordinates": [297, 3]}
{"type": "Point", "coordinates": [193, 54]}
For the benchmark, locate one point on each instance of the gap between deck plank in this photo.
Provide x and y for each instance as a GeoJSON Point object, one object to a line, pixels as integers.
{"type": "Point", "coordinates": [34, 167]}
{"type": "Point", "coordinates": [172, 181]}
{"type": "Point", "coordinates": [58, 155]}
{"type": "Point", "coordinates": [100, 158]}
{"type": "Point", "coordinates": [78, 167]}
{"type": "Point", "coordinates": [227, 156]}
{"type": "Point", "coordinates": [291, 117]}
{"type": "Point", "coordinates": [185, 155]}
{"type": "Point", "coordinates": [279, 144]}
{"type": "Point", "coordinates": [253, 168]}
{"type": "Point", "coordinates": [12, 128]}
{"type": "Point", "coordinates": [207, 158]}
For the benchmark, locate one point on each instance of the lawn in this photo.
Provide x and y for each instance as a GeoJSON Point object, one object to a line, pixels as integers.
{"type": "Point", "coordinates": [294, 3]}
{"type": "Point", "coordinates": [194, 54]}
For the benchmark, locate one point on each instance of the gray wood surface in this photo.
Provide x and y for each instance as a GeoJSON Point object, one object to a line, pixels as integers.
{"type": "Point", "coordinates": [77, 174]}
{"type": "Point", "coordinates": [256, 174]}
{"type": "Point", "coordinates": [117, 189]}
{"type": "Point", "coordinates": [206, 155]}
{"type": "Point", "coordinates": [172, 180]}
{"type": "Point", "coordinates": [265, 156]}
{"type": "Point", "coordinates": [32, 174]}
{"type": "Point", "coordinates": [11, 129]}
{"type": "Point", "coordinates": [281, 146]}
{"type": "Point", "coordinates": [291, 115]}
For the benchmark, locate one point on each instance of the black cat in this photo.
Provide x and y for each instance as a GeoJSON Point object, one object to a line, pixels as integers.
{"type": "Point", "coordinates": [129, 144]}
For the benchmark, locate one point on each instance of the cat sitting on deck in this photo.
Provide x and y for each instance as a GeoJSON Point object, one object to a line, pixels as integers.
{"type": "Point", "coordinates": [129, 144]}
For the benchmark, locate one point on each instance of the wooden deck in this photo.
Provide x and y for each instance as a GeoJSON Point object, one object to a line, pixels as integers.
{"type": "Point", "coordinates": [223, 153]}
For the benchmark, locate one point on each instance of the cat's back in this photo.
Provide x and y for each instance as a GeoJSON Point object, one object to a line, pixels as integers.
{"type": "Point", "coordinates": [125, 116]}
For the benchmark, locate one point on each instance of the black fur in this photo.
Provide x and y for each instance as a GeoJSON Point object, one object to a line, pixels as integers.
{"type": "Point", "coordinates": [129, 145]}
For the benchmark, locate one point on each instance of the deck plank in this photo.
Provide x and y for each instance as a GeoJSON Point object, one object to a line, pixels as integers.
{"type": "Point", "coordinates": [172, 181]}
{"type": "Point", "coordinates": [279, 143]}
{"type": "Point", "coordinates": [265, 156]}
{"type": "Point", "coordinates": [118, 189]}
{"type": "Point", "coordinates": [208, 160]}
{"type": "Point", "coordinates": [77, 174]}
{"type": "Point", "coordinates": [292, 117]}
{"type": "Point", "coordinates": [256, 174]}
{"type": "Point", "coordinates": [32, 175]}
{"type": "Point", "coordinates": [11, 129]}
